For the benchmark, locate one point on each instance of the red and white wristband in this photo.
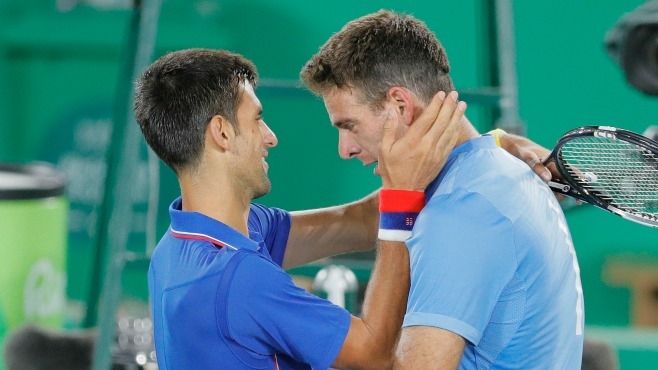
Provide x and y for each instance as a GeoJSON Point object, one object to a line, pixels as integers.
{"type": "Point", "coordinates": [398, 210]}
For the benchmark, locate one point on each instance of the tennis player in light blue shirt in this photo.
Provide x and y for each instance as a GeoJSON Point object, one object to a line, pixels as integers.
{"type": "Point", "coordinates": [492, 261]}
{"type": "Point", "coordinates": [494, 279]}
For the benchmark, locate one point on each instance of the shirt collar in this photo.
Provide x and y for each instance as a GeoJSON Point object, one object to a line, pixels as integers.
{"type": "Point", "coordinates": [196, 226]}
{"type": "Point", "coordinates": [480, 142]}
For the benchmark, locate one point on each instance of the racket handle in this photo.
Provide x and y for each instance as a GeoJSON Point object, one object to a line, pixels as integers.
{"type": "Point", "coordinates": [559, 187]}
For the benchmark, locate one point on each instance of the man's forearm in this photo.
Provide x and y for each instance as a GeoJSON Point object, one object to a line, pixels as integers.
{"type": "Point", "coordinates": [386, 297]}
{"type": "Point", "coordinates": [326, 232]}
{"type": "Point", "coordinates": [371, 340]}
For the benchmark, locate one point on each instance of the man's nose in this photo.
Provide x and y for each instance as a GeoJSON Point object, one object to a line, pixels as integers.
{"type": "Point", "coordinates": [268, 136]}
{"type": "Point", "coordinates": [347, 148]}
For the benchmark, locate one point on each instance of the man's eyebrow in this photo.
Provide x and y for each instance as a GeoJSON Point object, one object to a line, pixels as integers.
{"type": "Point", "coordinates": [341, 123]}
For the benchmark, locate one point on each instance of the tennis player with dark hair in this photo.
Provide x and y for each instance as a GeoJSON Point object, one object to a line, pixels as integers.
{"type": "Point", "coordinates": [495, 281]}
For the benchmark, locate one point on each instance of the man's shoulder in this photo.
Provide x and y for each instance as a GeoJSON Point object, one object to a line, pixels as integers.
{"type": "Point", "coordinates": [176, 262]}
{"type": "Point", "coordinates": [264, 215]}
{"type": "Point", "coordinates": [503, 181]}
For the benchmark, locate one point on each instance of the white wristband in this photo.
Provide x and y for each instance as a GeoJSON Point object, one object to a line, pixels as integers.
{"type": "Point", "coordinates": [394, 235]}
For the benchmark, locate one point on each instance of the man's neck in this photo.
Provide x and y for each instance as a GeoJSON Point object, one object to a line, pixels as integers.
{"type": "Point", "coordinates": [218, 200]}
{"type": "Point", "coordinates": [466, 131]}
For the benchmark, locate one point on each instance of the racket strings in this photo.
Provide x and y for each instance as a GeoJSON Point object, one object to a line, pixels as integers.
{"type": "Point", "coordinates": [624, 174]}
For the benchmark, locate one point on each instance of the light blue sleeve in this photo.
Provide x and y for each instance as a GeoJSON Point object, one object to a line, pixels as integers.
{"type": "Point", "coordinates": [462, 255]}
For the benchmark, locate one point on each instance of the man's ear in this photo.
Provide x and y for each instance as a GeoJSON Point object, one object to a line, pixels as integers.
{"type": "Point", "coordinates": [403, 101]}
{"type": "Point", "coordinates": [220, 133]}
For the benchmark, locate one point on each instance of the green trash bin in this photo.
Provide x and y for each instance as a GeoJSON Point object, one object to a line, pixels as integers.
{"type": "Point", "coordinates": [33, 234]}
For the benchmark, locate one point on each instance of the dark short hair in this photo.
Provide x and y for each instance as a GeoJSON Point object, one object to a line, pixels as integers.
{"type": "Point", "coordinates": [177, 96]}
{"type": "Point", "coordinates": [376, 52]}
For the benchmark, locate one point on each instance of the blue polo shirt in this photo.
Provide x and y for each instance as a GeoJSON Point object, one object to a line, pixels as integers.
{"type": "Point", "coordinates": [492, 260]}
{"type": "Point", "coordinates": [221, 300]}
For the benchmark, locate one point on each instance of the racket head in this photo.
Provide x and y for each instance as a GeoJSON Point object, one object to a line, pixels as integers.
{"type": "Point", "coordinates": [611, 168]}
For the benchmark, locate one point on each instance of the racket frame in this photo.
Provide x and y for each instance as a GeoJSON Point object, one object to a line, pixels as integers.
{"type": "Point", "coordinates": [569, 187]}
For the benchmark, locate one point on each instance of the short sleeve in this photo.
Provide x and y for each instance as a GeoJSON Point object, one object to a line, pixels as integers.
{"type": "Point", "coordinates": [269, 314]}
{"type": "Point", "coordinates": [274, 226]}
{"type": "Point", "coordinates": [462, 255]}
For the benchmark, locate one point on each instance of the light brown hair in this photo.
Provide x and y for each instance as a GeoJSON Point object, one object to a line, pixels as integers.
{"type": "Point", "coordinates": [376, 52]}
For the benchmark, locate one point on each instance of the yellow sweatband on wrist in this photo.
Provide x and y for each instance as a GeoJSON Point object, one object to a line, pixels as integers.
{"type": "Point", "coordinates": [497, 133]}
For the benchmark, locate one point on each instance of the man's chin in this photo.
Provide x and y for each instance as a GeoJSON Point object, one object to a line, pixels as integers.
{"type": "Point", "coordinates": [262, 191]}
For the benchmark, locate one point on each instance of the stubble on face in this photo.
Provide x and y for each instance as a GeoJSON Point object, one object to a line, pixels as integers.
{"type": "Point", "coordinates": [249, 147]}
{"type": "Point", "coordinates": [263, 187]}
{"type": "Point", "coordinates": [253, 175]}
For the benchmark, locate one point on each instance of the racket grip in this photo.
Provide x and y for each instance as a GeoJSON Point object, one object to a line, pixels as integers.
{"type": "Point", "coordinates": [559, 187]}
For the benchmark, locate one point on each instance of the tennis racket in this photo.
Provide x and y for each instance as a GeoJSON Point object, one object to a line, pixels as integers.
{"type": "Point", "coordinates": [610, 168]}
